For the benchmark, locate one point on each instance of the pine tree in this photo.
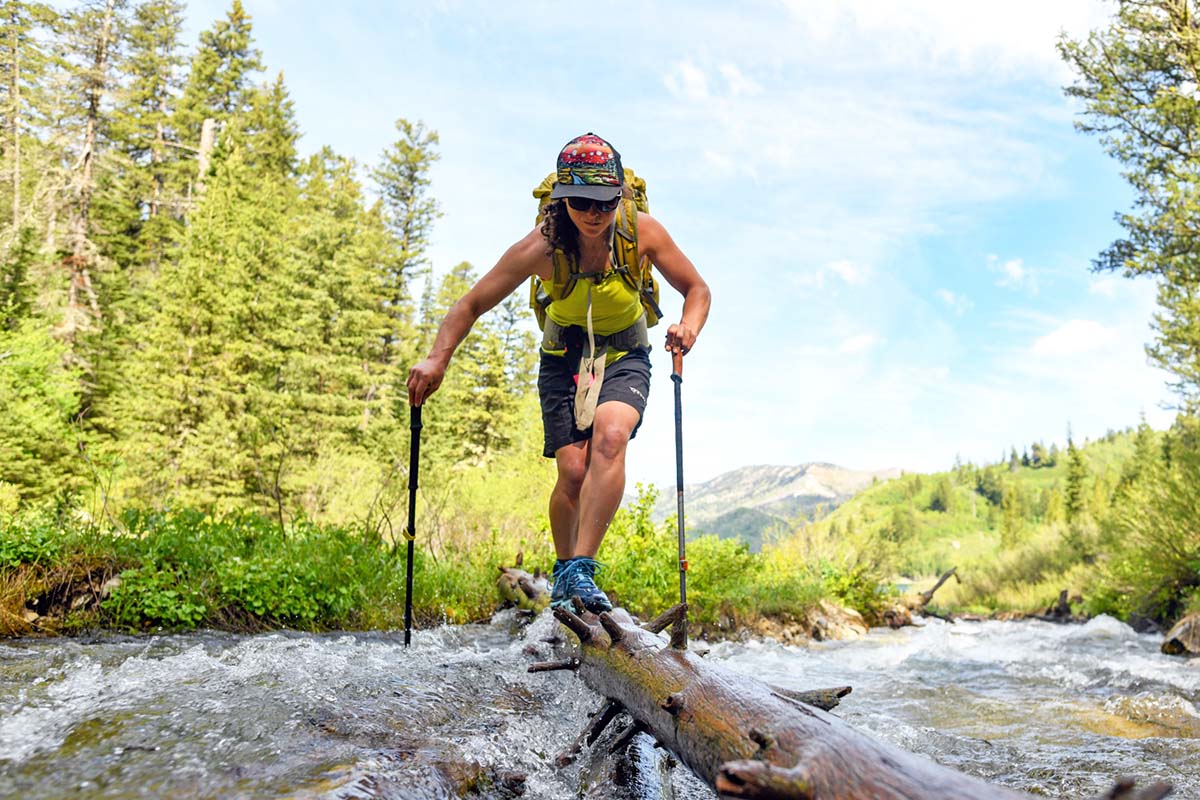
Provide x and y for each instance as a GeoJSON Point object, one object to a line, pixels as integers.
{"type": "Point", "coordinates": [1012, 514]}
{"type": "Point", "coordinates": [23, 67]}
{"type": "Point", "coordinates": [221, 80]}
{"type": "Point", "coordinates": [41, 399]}
{"type": "Point", "coordinates": [1077, 474]}
{"type": "Point", "coordinates": [1136, 80]}
{"type": "Point", "coordinates": [271, 131]}
{"type": "Point", "coordinates": [403, 181]}
{"type": "Point", "coordinates": [942, 498]}
{"type": "Point", "coordinates": [93, 37]}
{"type": "Point", "coordinates": [142, 126]}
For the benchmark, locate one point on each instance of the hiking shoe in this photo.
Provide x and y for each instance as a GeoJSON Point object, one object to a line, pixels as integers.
{"type": "Point", "coordinates": [581, 571]}
{"type": "Point", "coordinates": [559, 597]}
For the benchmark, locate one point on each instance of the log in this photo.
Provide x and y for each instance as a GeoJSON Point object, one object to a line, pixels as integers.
{"type": "Point", "coordinates": [901, 613]}
{"type": "Point", "coordinates": [1061, 610]}
{"type": "Point", "coordinates": [746, 738]}
{"type": "Point", "coordinates": [1184, 637]}
{"type": "Point", "coordinates": [519, 588]}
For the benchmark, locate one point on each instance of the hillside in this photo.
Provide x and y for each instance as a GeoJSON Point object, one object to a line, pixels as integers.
{"type": "Point", "coordinates": [750, 502]}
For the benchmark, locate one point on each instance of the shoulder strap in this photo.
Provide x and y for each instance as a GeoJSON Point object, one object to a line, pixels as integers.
{"type": "Point", "coordinates": [625, 242]}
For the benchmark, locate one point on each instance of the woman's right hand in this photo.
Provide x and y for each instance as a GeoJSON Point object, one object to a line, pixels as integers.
{"type": "Point", "coordinates": [423, 380]}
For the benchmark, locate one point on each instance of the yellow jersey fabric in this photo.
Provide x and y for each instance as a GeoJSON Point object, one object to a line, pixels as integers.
{"type": "Point", "coordinates": [615, 306]}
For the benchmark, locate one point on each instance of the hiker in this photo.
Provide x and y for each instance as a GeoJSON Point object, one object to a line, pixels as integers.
{"type": "Point", "coordinates": [594, 371]}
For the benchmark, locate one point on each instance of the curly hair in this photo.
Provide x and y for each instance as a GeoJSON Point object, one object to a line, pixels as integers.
{"type": "Point", "coordinates": [560, 232]}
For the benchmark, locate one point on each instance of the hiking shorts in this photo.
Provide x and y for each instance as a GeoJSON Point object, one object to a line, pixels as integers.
{"type": "Point", "coordinates": [627, 381]}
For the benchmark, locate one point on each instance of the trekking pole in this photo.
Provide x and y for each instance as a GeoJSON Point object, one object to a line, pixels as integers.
{"type": "Point", "coordinates": [410, 533]}
{"type": "Point", "coordinates": [677, 378]}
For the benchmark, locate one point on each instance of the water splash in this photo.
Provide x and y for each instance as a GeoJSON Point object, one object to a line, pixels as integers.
{"type": "Point", "coordinates": [1057, 710]}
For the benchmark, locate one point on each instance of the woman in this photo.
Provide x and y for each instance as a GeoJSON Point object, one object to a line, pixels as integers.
{"type": "Point", "coordinates": [594, 373]}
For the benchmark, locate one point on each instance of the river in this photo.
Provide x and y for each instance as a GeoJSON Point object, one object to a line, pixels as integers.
{"type": "Point", "coordinates": [1053, 710]}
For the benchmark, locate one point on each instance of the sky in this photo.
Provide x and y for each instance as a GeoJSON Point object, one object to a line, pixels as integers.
{"type": "Point", "coordinates": [888, 200]}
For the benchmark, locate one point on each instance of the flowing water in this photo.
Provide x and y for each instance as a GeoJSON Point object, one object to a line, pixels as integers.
{"type": "Point", "coordinates": [1054, 710]}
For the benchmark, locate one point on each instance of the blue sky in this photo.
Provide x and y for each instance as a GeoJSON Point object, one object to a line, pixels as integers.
{"type": "Point", "coordinates": [888, 200]}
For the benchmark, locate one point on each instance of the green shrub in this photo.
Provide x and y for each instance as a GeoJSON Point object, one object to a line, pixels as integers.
{"type": "Point", "coordinates": [33, 544]}
{"type": "Point", "coordinates": [154, 595]}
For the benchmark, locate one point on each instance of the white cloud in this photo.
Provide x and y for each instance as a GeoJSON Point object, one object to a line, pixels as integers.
{"type": "Point", "coordinates": [848, 271]}
{"type": "Point", "coordinates": [1016, 38]}
{"type": "Point", "coordinates": [688, 81]}
{"type": "Point", "coordinates": [738, 83]}
{"type": "Point", "coordinates": [859, 344]}
{"type": "Point", "coordinates": [1103, 286]}
{"type": "Point", "coordinates": [959, 304]}
{"type": "Point", "coordinates": [1074, 338]}
{"type": "Point", "coordinates": [1013, 274]}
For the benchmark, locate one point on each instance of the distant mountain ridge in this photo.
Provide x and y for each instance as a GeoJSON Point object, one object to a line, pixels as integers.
{"type": "Point", "coordinates": [750, 501]}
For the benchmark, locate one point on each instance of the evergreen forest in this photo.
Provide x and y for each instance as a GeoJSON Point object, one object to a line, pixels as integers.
{"type": "Point", "coordinates": [205, 333]}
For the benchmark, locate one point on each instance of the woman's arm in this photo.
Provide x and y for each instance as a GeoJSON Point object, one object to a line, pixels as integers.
{"type": "Point", "coordinates": [678, 270]}
{"type": "Point", "coordinates": [519, 262]}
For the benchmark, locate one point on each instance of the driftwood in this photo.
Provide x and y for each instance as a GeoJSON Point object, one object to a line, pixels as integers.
{"type": "Point", "coordinates": [1061, 610]}
{"type": "Point", "coordinates": [748, 739]}
{"type": "Point", "coordinates": [1184, 637]}
{"type": "Point", "coordinates": [901, 613]}
{"type": "Point", "coordinates": [519, 588]}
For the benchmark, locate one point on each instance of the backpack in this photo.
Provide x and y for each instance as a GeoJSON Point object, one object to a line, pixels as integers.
{"type": "Point", "coordinates": [636, 272]}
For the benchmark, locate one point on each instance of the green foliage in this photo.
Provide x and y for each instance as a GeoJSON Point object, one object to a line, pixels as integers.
{"type": "Point", "coordinates": [942, 497]}
{"type": "Point", "coordinates": [28, 544]}
{"type": "Point", "coordinates": [1157, 568]}
{"type": "Point", "coordinates": [857, 586]}
{"type": "Point", "coordinates": [41, 397]}
{"type": "Point", "coordinates": [154, 595]}
{"type": "Point", "coordinates": [1136, 81]}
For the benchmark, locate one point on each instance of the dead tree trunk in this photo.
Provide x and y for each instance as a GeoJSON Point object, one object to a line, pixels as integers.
{"type": "Point", "coordinates": [900, 614]}
{"type": "Point", "coordinates": [749, 740]}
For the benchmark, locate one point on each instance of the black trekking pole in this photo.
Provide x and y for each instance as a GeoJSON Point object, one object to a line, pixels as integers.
{"type": "Point", "coordinates": [410, 533]}
{"type": "Point", "coordinates": [680, 642]}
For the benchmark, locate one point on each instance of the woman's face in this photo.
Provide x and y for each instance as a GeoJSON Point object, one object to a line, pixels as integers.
{"type": "Point", "coordinates": [592, 222]}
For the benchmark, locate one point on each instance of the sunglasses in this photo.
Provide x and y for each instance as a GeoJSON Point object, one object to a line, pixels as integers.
{"type": "Point", "coordinates": [586, 204]}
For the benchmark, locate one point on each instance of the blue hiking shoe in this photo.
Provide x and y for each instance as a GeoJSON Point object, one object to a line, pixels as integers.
{"type": "Point", "coordinates": [579, 578]}
{"type": "Point", "coordinates": [559, 597]}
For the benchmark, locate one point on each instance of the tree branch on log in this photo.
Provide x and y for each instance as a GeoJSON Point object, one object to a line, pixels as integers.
{"type": "Point", "coordinates": [591, 732]}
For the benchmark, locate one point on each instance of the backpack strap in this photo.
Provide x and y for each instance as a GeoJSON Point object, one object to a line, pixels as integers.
{"type": "Point", "coordinates": [635, 270]}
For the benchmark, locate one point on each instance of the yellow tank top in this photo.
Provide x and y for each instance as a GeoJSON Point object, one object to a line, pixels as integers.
{"type": "Point", "coordinates": [615, 306]}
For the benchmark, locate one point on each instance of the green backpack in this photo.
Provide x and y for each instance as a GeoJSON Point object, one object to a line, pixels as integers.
{"type": "Point", "coordinates": [636, 272]}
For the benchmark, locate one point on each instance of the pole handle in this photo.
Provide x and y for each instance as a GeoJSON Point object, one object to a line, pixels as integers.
{"type": "Point", "coordinates": [677, 363]}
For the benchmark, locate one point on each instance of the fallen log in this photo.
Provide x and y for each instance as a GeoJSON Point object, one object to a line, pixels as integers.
{"type": "Point", "coordinates": [750, 740]}
{"type": "Point", "coordinates": [525, 591]}
{"type": "Point", "coordinates": [901, 613]}
{"type": "Point", "coordinates": [1060, 611]}
{"type": "Point", "coordinates": [1184, 637]}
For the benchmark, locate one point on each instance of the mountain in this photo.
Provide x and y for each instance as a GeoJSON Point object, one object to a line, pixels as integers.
{"type": "Point", "coordinates": [751, 501]}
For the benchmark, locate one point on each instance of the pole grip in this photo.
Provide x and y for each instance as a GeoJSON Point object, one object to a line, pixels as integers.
{"type": "Point", "coordinates": [677, 363]}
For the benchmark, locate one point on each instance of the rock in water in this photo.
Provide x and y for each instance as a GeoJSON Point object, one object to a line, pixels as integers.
{"type": "Point", "coordinates": [1184, 637]}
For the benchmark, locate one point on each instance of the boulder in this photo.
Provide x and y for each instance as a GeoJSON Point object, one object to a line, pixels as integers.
{"type": "Point", "coordinates": [829, 621]}
{"type": "Point", "coordinates": [1184, 637]}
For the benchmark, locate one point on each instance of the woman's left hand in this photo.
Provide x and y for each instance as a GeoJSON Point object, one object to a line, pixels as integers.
{"type": "Point", "coordinates": [680, 338]}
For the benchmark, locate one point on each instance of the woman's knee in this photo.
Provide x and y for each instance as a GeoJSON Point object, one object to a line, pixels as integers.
{"type": "Point", "coordinates": [610, 438]}
{"type": "Point", "coordinates": [572, 467]}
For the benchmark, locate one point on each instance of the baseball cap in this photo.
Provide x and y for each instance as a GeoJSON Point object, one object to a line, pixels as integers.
{"type": "Point", "coordinates": [588, 166]}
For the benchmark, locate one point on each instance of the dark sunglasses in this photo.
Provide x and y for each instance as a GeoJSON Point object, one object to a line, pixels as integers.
{"type": "Point", "coordinates": [586, 204]}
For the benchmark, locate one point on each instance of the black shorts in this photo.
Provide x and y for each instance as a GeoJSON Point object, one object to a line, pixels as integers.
{"type": "Point", "coordinates": [627, 381]}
